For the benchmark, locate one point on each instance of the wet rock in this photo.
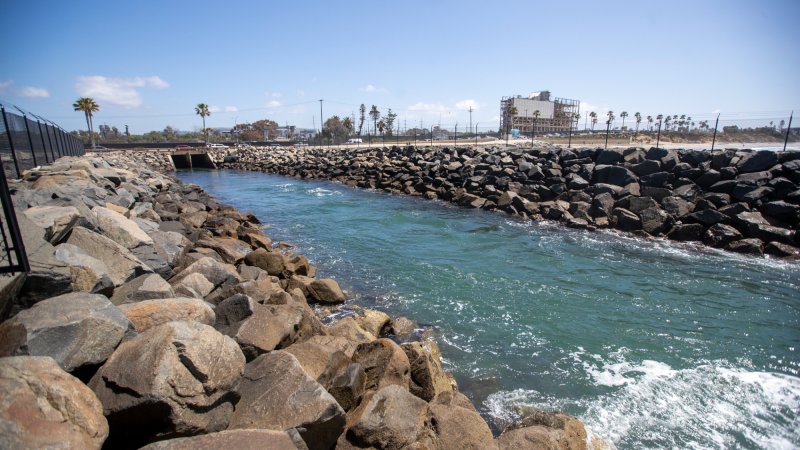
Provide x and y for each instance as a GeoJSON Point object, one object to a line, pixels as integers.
{"type": "Point", "coordinates": [277, 395]}
{"type": "Point", "coordinates": [147, 314]}
{"type": "Point", "coordinates": [76, 330]}
{"type": "Point", "coordinates": [656, 221]}
{"type": "Point", "coordinates": [626, 220]}
{"type": "Point", "coordinates": [44, 407]}
{"type": "Point", "coordinates": [552, 431]}
{"type": "Point", "coordinates": [781, 250]}
{"type": "Point", "coordinates": [751, 246]}
{"type": "Point", "coordinates": [687, 232]}
{"type": "Point", "coordinates": [719, 235]}
{"type": "Point", "coordinates": [184, 383]}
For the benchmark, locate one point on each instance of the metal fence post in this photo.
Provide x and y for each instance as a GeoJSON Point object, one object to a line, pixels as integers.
{"type": "Point", "coordinates": [47, 128]}
{"type": "Point", "coordinates": [60, 135]}
{"type": "Point", "coordinates": [13, 226]}
{"type": "Point", "coordinates": [30, 141]}
{"type": "Point", "coordinates": [10, 142]}
{"type": "Point", "coordinates": [786, 139]}
{"type": "Point", "coordinates": [41, 135]}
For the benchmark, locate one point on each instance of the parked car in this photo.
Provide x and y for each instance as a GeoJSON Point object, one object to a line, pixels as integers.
{"type": "Point", "coordinates": [217, 146]}
{"type": "Point", "coordinates": [183, 147]}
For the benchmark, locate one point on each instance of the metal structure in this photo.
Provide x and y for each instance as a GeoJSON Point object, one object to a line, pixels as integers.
{"type": "Point", "coordinates": [554, 116]}
{"type": "Point", "coordinates": [25, 144]}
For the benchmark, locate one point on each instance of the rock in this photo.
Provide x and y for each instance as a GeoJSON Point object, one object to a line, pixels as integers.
{"type": "Point", "coordinates": [149, 255]}
{"type": "Point", "coordinates": [147, 314]}
{"type": "Point", "coordinates": [48, 276]}
{"type": "Point", "coordinates": [542, 430]}
{"type": "Point", "coordinates": [707, 217]}
{"type": "Point", "coordinates": [76, 330]}
{"type": "Point", "coordinates": [184, 383]}
{"type": "Point", "coordinates": [781, 250]}
{"type": "Point", "coordinates": [120, 229]}
{"type": "Point", "coordinates": [615, 175]}
{"type": "Point", "coordinates": [646, 167]}
{"type": "Point", "coordinates": [326, 290]}
{"type": "Point", "coordinates": [88, 274]}
{"type": "Point", "coordinates": [121, 263]}
{"type": "Point", "coordinates": [277, 395]}
{"type": "Point", "coordinates": [602, 205]}
{"type": "Point", "coordinates": [44, 407]}
{"type": "Point", "coordinates": [428, 379]}
{"type": "Point", "coordinates": [214, 271]}
{"type": "Point", "coordinates": [348, 387]}
{"type": "Point", "coordinates": [638, 204]}
{"type": "Point", "coordinates": [194, 219]}
{"type": "Point", "coordinates": [231, 311]}
{"type": "Point", "coordinates": [232, 439]}
{"type": "Point", "coordinates": [610, 156]}
{"type": "Point", "coordinates": [272, 262]}
{"type": "Point", "coordinates": [194, 285]}
{"type": "Point", "coordinates": [626, 220]}
{"type": "Point", "coordinates": [655, 220]}
{"type": "Point", "coordinates": [384, 363]}
{"type": "Point", "coordinates": [687, 232]}
{"type": "Point", "coordinates": [391, 419]}
{"type": "Point", "coordinates": [719, 235]}
{"type": "Point", "coordinates": [55, 220]}
{"type": "Point", "coordinates": [146, 287]}
{"type": "Point", "coordinates": [232, 250]}
{"type": "Point", "coordinates": [169, 245]}
{"type": "Point", "coordinates": [677, 206]}
{"type": "Point", "coordinates": [321, 361]}
{"type": "Point", "coordinates": [270, 327]}
{"type": "Point", "coordinates": [750, 246]}
{"type": "Point", "coordinates": [782, 210]}
{"type": "Point", "coordinates": [373, 321]}
{"type": "Point", "coordinates": [758, 161]}
{"type": "Point", "coordinates": [458, 428]}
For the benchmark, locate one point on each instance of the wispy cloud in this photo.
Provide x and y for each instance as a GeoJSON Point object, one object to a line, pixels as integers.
{"type": "Point", "coordinates": [118, 91]}
{"type": "Point", "coordinates": [467, 104]}
{"type": "Point", "coordinates": [428, 107]}
{"type": "Point", "coordinates": [33, 92]}
{"type": "Point", "coordinates": [274, 104]}
{"type": "Point", "coordinates": [371, 88]}
{"type": "Point", "coordinates": [275, 94]}
{"type": "Point", "coordinates": [5, 85]}
{"type": "Point", "coordinates": [214, 109]}
{"type": "Point", "coordinates": [231, 109]}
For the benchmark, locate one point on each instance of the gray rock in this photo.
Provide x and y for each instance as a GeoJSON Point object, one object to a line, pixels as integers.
{"type": "Point", "coordinates": [120, 229]}
{"type": "Point", "coordinates": [719, 235]}
{"type": "Point", "coordinates": [146, 287]}
{"type": "Point", "coordinates": [677, 206]}
{"type": "Point", "coordinates": [348, 386]}
{"type": "Point", "coordinates": [232, 250]}
{"type": "Point", "coordinates": [214, 271]}
{"type": "Point", "coordinates": [88, 274]}
{"type": "Point", "coordinates": [194, 285]}
{"type": "Point", "coordinates": [752, 246]}
{"type": "Point", "coordinates": [184, 383]}
{"type": "Point", "coordinates": [270, 327]}
{"type": "Point", "coordinates": [44, 407]}
{"type": "Point", "coordinates": [121, 263]}
{"type": "Point", "coordinates": [758, 161]}
{"type": "Point", "coordinates": [687, 232]}
{"type": "Point", "coordinates": [626, 220]}
{"type": "Point", "coordinates": [277, 395]}
{"type": "Point", "coordinates": [707, 217]}
{"type": "Point", "coordinates": [55, 220]}
{"type": "Point", "coordinates": [76, 330]}
{"type": "Point", "coordinates": [151, 313]}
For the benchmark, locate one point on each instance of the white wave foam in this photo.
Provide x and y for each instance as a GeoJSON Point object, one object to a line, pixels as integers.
{"type": "Point", "coordinates": [322, 192]}
{"type": "Point", "coordinates": [654, 405]}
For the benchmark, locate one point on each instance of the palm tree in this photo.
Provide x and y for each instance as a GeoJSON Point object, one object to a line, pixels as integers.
{"type": "Point", "coordinates": [381, 125]}
{"type": "Point", "coordinates": [610, 115]}
{"type": "Point", "coordinates": [593, 116]}
{"type": "Point", "coordinates": [202, 110]}
{"type": "Point", "coordinates": [666, 122]}
{"type": "Point", "coordinates": [375, 115]}
{"type": "Point", "coordinates": [623, 114]}
{"type": "Point", "coordinates": [638, 116]}
{"type": "Point", "coordinates": [536, 115]}
{"type": "Point", "coordinates": [577, 118]}
{"type": "Point", "coordinates": [88, 106]}
{"type": "Point", "coordinates": [650, 121]}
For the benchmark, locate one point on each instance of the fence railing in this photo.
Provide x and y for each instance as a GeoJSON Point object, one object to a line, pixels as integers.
{"type": "Point", "coordinates": [25, 144]}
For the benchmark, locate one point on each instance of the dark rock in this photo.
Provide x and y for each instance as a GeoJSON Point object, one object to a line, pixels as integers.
{"type": "Point", "coordinates": [720, 235]}
{"type": "Point", "coordinates": [750, 246]}
{"type": "Point", "coordinates": [348, 387]}
{"type": "Point", "coordinates": [657, 179]}
{"type": "Point", "coordinates": [392, 418]}
{"type": "Point", "coordinates": [782, 210]}
{"type": "Point", "coordinates": [616, 175]}
{"type": "Point", "coordinates": [646, 167]}
{"type": "Point", "coordinates": [677, 206]}
{"type": "Point", "coordinates": [626, 220]}
{"type": "Point", "coordinates": [758, 161]}
{"type": "Point", "coordinates": [655, 220]}
{"type": "Point", "coordinates": [781, 250]}
{"type": "Point", "coordinates": [234, 439]}
{"type": "Point", "coordinates": [707, 217]}
{"type": "Point", "coordinates": [687, 232]}
{"type": "Point", "coordinates": [708, 179]}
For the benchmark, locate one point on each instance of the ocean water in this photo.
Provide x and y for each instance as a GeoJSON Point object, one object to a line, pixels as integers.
{"type": "Point", "coordinates": [651, 344]}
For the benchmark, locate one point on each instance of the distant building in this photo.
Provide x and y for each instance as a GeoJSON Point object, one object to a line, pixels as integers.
{"type": "Point", "coordinates": [557, 115]}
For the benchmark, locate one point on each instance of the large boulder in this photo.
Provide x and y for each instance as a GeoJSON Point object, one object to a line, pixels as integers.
{"type": "Point", "coordinates": [320, 360]}
{"type": "Point", "coordinates": [55, 220]}
{"type": "Point", "coordinates": [232, 250]}
{"type": "Point", "coordinates": [326, 290]}
{"type": "Point", "coordinates": [146, 287]}
{"type": "Point", "coordinates": [459, 428]}
{"type": "Point", "coordinates": [384, 362]}
{"type": "Point", "coordinates": [121, 263]}
{"type": "Point", "coordinates": [147, 314]}
{"type": "Point", "coordinates": [546, 431]}
{"type": "Point", "coordinates": [234, 440]}
{"type": "Point", "coordinates": [277, 394]}
{"type": "Point", "coordinates": [758, 161]}
{"type": "Point", "coordinates": [270, 327]}
{"type": "Point", "coordinates": [42, 406]}
{"type": "Point", "coordinates": [176, 379]}
{"type": "Point", "coordinates": [216, 272]}
{"type": "Point", "coordinates": [89, 274]}
{"type": "Point", "coordinates": [120, 229]}
{"type": "Point", "coordinates": [373, 321]}
{"type": "Point", "coordinates": [274, 263]}
{"type": "Point", "coordinates": [76, 330]}
{"type": "Point", "coordinates": [392, 418]}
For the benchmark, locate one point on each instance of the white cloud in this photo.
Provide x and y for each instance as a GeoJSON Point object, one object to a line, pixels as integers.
{"type": "Point", "coordinates": [117, 91]}
{"type": "Point", "coordinates": [33, 92]}
{"type": "Point", "coordinates": [466, 104]}
{"type": "Point", "coordinates": [214, 109]}
{"type": "Point", "coordinates": [428, 107]}
{"type": "Point", "coordinates": [371, 88]}
{"type": "Point", "coordinates": [275, 94]}
{"type": "Point", "coordinates": [231, 109]}
{"type": "Point", "coordinates": [5, 85]}
{"type": "Point", "coordinates": [273, 104]}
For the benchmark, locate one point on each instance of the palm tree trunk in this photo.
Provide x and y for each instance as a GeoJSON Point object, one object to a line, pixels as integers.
{"type": "Point", "coordinates": [205, 131]}
{"type": "Point", "coordinates": [89, 125]}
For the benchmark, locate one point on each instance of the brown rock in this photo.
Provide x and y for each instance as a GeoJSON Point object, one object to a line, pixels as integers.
{"type": "Point", "coordinates": [391, 419]}
{"type": "Point", "coordinates": [273, 262]}
{"type": "Point", "coordinates": [459, 428]}
{"type": "Point", "coordinates": [232, 440]}
{"type": "Point", "coordinates": [326, 290]}
{"type": "Point", "coordinates": [551, 431]}
{"type": "Point", "coordinates": [348, 328]}
{"type": "Point", "coordinates": [428, 379]}
{"type": "Point", "coordinates": [232, 250]}
{"type": "Point", "coordinates": [151, 313]}
{"type": "Point", "coordinates": [373, 321]}
{"type": "Point", "coordinates": [42, 406]}
{"type": "Point", "coordinates": [384, 362]}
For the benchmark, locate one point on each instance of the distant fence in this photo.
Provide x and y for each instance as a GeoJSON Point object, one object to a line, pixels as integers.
{"type": "Point", "coordinates": [26, 143]}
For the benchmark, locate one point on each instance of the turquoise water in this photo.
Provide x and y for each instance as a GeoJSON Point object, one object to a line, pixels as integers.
{"type": "Point", "coordinates": [651, 344]}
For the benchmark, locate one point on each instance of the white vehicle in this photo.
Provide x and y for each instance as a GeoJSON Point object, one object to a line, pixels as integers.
{"type": "Point", "coordinates": [217, 146]}
{"type": "Point", "coordinates": [355, 141]}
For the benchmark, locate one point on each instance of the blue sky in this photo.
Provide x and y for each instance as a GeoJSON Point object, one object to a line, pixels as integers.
{"type": "Point", "coordinates": [149, 63]}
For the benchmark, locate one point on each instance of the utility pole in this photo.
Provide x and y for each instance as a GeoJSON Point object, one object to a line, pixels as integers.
{"type": "Point", "coordinates": [320, 118]}
{"type": "Point", "coordinates": [470, 117]}
{"type": "Point", "coordinates": [713, 141]}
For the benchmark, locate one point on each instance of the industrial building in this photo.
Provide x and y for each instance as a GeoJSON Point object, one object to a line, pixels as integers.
{"type": "Point", "coordinates": [519, 113]}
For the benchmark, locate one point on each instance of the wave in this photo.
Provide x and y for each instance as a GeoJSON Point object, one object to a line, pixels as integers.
{"type": "Point", "coordinates": [650, 404]}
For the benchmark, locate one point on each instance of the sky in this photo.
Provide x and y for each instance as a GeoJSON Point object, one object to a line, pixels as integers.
{"type": "Point", "coordinates": [149, 63]}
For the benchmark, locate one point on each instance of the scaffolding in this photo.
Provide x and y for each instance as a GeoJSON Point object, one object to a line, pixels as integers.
{"type": "Point", "coordinates": [537, 114]}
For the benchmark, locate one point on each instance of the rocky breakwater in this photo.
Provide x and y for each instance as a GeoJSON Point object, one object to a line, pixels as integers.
{"type": "Point", "coordinates": [739, 200]}
{"type": "Point", "coordinates": [155, 316]}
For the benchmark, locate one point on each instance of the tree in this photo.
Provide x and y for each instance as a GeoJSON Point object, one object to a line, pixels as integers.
{"type": "Point", "coordinates": [374, 114]}
{"type": "Point", "coordinates": [667, 122]}
{"type": "Point", "coordinates": [512, 111]}
{"type": "Point", "coordinates": [334, 128]}
{"type": "Point", "coordinates": [202, 110]}
{"type": "Point", "coordinates": [610, 115]}
{"type": "Point", "coordinates": [536, 115]}
{"type": "Point", "coordinates": [593, 116]}
{"type": "Point", "coordinates": [623, 114]}
{"type": "Point", "coordinates": [650, 121]}
{"type": "Point", "coordinates": [638, 116]}
{"type": "Point", "coordinates": [389, 121]}
{"type": "Point", "coordinates": [348, 125]}
{"type": "Point", "coordinates": [381, 125]}
{"type": "Point", "coordinates": [362, 111]}
{"type": "Point", "coordinates": [88, 106]}
{"type": "Point", "coordinates": [577, 118]}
